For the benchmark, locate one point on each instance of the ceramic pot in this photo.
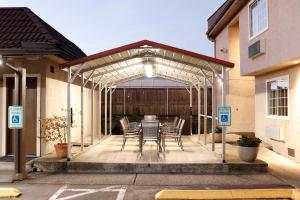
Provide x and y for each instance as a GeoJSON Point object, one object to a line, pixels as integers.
{"type": "Point", "coordinates": [61, 150]}
{"type": "Point", "coordinates": [248, 154]}
{"type": "Point", "coordinates": [218, 137]}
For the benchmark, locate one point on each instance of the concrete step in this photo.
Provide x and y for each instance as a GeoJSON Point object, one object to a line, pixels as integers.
{"type": "Point", "coordinates": [6, 166]}
{"type": "Point", "coordinates": [6, 176]}
{"type": "Point", "coordinates": [155, 168]}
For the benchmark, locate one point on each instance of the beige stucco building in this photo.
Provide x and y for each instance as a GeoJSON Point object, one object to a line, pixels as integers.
{"type": "Point", "coordinates": [262, 38]}
{"type": "Point", "coordinates": [26, 41]}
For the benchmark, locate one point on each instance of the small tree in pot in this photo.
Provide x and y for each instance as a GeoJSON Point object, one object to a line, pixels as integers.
{"type": "Point", "coordinates": [54, 129]}
{"type": "Point", "coordinates": [248, 148]}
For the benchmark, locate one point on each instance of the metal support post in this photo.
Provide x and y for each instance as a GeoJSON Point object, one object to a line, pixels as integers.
{"type": "Point", "coordinates": [223, 128]}
{"type": "Point", "coordinates": [100, 110]}
{"type": "Point", "coordinates": [110, 110]}
{"type": "Point", "coordinates": [191, 110]}
{"type": "Point", "coordinates": [199, 111]}
{"type": "Point", "coordinates": [105, 110]}
{"type": "Point", "coordinates": [205, 112]}
{"type": "Point", "coordinates": [124, 102]}
{"type": "Point", "coordinates": [213, 110]}
{"type": "Point", "coordinates": [167, 102]}
{"type": "Point", "coordinates": [92, 111]}
{"type": "Point", "coordinates": [20, 141]}
{"type": "Point", "coordinates": [82, 117]}
{"type": "Point", "coordinates": [69, 114]}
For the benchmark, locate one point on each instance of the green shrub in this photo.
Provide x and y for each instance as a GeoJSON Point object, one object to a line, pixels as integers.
{"type": "Point", "coordinates": [218, 129]}
{"type": "Point", "coordinates": [245, 141]}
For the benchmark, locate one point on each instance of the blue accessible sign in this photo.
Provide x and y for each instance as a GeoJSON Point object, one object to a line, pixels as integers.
{"type": "Point", "coordinates": [224, 116]}
{"type": "Point", "coordinates": [15, 117]}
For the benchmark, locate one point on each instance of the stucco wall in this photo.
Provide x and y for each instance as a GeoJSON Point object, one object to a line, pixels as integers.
{"type": "Point", "coordinates": [53, 98]}
{"type": "Point", "coordinates": [33, 67]}
{"type": "Point", "coordinates": [240, 90]}
{"type": "Point", "coordinates": [282, 37]}
{"type": "Point", "coordinates": [56, 104]}
{"type": "Point", "coordinates": [291, 126]}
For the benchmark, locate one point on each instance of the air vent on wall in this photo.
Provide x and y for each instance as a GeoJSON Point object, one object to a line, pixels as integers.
{"type": "Point", "coordinates": [291, 152]}
{"type": "Point", "coordinates": [275, 133]}
{"type": "Point", "coordinates": [256, 49]}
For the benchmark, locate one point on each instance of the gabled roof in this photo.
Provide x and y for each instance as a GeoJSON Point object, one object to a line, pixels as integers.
{"type": "Point", "coordinates": [23, 32]}
{"type": "Point", "coordinates": [140, 44]}
{"type": "Point", "coordinates": [223, 15]}
{"type": "Point", "coordinates": [128, 62]}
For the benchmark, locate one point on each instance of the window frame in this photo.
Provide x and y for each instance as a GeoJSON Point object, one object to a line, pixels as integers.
{"type": "Point", "coordinates": [286, 77]}
{"type": "Point", "coordinates": [249, 20]}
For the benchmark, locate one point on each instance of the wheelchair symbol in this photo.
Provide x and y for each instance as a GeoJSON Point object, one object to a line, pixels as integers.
{"type": "Point", "coordinates": [224, 118]}
{"type": "Point", "coordinates": [15, 119]}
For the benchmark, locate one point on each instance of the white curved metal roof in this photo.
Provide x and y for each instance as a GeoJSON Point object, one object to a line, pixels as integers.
{"type": "Point", "coordinates": [128, 62]}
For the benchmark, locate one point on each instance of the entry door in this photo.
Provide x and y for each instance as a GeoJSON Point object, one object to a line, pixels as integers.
{"type": "Point", "coordinates": [30, 118]}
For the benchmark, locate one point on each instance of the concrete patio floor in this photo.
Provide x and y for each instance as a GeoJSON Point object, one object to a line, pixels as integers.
{"type": "Point", "coordinates": [107, 157]}
{"type": "Point", "coordinates": [109, 151]}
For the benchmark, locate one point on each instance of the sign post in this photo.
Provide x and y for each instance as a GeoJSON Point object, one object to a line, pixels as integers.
{"type": "Point", "coordinates": [224, 119]}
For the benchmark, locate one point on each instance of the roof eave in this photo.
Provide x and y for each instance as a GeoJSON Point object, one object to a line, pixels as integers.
{"type": "Point", "coordinates": [228, 14]}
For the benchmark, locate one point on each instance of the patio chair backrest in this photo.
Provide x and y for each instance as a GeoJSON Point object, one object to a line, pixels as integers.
{"type": "Point", "coordinates": [181, 126]}
{"type": "Point", "coordinates": [150, 129]}
{"type": "Point", "coordinates": [149, 117]}
{"type": "Point", "coordinates": [178, 124]}
{"type": "Point", "coordinates": [175, 121]}
{"type": "Point", "coordinates": [124, 125]}
{"type": "Point", "coordinates": [126, 119]}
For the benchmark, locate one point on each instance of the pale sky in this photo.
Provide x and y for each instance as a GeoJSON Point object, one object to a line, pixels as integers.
{"type": "Point", "coordinates": [97, 25]}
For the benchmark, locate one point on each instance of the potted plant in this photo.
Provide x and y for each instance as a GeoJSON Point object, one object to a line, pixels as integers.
{"type": "Point", "coordinates": [248, 148]}
{"type": "Point", "coordinates": [218, 134]}
{"type": "Point", "coordinates": [54, 129]}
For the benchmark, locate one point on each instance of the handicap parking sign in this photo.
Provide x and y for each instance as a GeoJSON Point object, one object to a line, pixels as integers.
{"type": "Point", "coordinates": [224, 116]}
{"type": "Point", "coordinates": [15, 117]}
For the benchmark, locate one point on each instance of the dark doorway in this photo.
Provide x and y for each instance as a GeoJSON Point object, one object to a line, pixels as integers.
{"type": "Point", "coordinates": [30, 118]}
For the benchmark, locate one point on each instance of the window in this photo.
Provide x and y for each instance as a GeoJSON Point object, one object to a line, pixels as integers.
{"type": "Point", "coordinates": [258, 16]}
{"type": "Point", "coordinates": [277, 91]}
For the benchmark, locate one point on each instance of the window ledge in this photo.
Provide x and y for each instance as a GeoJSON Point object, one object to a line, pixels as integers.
{"type": "Point", "coordinates": [286, 118]}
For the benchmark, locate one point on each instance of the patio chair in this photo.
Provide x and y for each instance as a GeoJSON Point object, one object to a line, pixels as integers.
{"type": "Point", "coordinates": [131, 125]}
{"type": "Point", "coordinates": [175, 135]}
{"type": "Point", "coordinates": [150, 132]}
{"type": "Point", "coordinates": [127, 133]}
{"type": "Point", "coordinates": [170, 126]}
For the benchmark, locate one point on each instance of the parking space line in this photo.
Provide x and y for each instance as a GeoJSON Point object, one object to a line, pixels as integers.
{"type": "Point", "coordinates": [120, 189]}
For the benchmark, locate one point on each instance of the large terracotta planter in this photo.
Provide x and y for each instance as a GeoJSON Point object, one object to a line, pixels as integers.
{"type": "Point", "coordinates": [61, 150]}
{"type": "Point", "coordinates": [248, 154]}
{"type": "Point", "coordinates": [218, 137]}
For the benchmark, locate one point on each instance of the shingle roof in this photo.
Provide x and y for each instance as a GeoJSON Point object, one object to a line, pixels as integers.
{"type": "Point", "coordinates": [23, 32]}
{"type": "Point", "coordinates": [223, 15]}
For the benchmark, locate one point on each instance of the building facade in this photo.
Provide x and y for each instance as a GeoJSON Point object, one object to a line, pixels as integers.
{"type": "Point", "coordinates": [26, 41]}
{"type": "Point", "coordinates": [262, 37]}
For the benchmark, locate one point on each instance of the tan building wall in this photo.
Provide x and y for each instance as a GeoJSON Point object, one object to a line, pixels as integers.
{"type": "Point", "coordinates": [240, 90]}
{"type": "Point", "coordinates": [53, 98]}
{"type": "Point", "coordinates": [291, 125]}
{"type": "Point", "coordinates": [281, 56]}
{"type": "Point", "coordinates": [281, 39]}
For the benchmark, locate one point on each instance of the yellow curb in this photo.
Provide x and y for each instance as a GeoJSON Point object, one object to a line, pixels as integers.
{"type": "Point", "coordinates": [9, 193]}
{"type": "Point", "coordinates": [228, 194]}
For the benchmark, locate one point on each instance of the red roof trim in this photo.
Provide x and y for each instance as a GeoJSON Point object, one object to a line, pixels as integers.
{"type": "Point", "coordinates": [142, 43]}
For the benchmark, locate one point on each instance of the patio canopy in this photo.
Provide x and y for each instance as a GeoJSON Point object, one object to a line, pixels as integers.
{"type": "Point", "coordinates": [144, 59]}
{"type": "Point", "coordinates": [136, 60]}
